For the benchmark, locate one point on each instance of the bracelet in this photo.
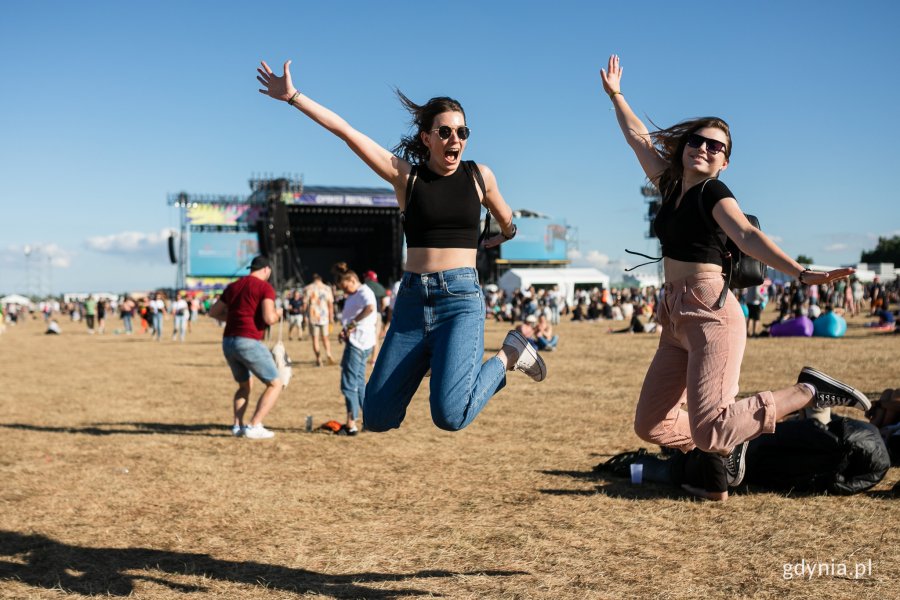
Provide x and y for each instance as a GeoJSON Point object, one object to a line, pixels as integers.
{"type": "Point", "coordinates": [294, 97]}
{"type": "Point", "coordinates": [802, 273]}
{"type": "Point", "coordinates": [612, 94]}
{"type": "Point", "coordinates": [515, 230]}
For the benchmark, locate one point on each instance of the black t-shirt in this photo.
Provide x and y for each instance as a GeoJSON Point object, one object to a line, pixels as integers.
{"type": "Point", "coordinates": [443, 210]}
{"type": "Point", "coordinates": [295, 306]}
{"type": "Point", "coordinates": [683, 232]}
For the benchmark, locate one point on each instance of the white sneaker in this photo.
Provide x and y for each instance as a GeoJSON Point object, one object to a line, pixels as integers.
{"type": "Point", "coordinates": [529, 361]}
{"type": "Point", "coordinates": [237, 430]}
{"type": "Point", "coordinates": [258, 432]}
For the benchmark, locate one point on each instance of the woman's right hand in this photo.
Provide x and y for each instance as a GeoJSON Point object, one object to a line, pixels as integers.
{"type": "Point", "coordinates": [612, 76]}
{"type": "Point", "coordinates": [280, 88]}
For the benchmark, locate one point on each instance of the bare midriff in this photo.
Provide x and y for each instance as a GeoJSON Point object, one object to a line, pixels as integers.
{"type": "Point", "coordinates": [678, 269]}
{"type": "Point", "coordinates": [432, 260]}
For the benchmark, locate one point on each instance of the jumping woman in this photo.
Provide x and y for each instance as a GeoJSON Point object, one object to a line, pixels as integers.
{"type": "Point", "coordinates": [438, 320]}
{"type": "Point", "coordinates": [698, 361]}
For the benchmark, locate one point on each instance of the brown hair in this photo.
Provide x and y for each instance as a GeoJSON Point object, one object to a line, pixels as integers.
{"type": "Point", "coordinates": [342, 272]}
{"type": "Point", "coordinates": [411, 149]}
{"type": "Point", "coordinates": [670, 143]}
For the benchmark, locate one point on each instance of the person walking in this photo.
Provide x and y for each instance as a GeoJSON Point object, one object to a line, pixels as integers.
{"type": "Point", "coordinates": [247, 306]}
{"type": "Point", "coordinates": [438, 322]}
{"type": "Point", "coordinates": [358, 318]}
{"type": "Point", "coordinates": [319, 302]}
{"type": "Point", "coordinates": [703, 336]}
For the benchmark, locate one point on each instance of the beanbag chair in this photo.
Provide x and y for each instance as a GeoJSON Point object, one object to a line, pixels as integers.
{"type": "Point", "coordinates": [830, 325]}
{"type": "Point", "coordinates": [797, 327]}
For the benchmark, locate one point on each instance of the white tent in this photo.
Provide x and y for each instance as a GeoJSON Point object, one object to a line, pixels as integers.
{"type": "Point", "coordinates": [565, 278]}
{"type": "Point", "coordinates": [15, 299]}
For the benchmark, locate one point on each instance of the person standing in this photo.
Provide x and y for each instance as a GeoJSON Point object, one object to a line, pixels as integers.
{"type": "Point", "coordinates": [157, 308]}
{"type": "Point", "coordinates": [358, 318]}
{"type": "Point", "coordinates": [180, 312]}
{"type": "Point", "coordinates": [127, 311]}
{"type": "Point", "coordinates": [438, 322]}
{"type": "Point", "coordinates": [371, 282]}
{"type": "Point", "coordinates": [754, 299]}
{"type": "Point", "coordinates": [296, 308]}
{"type": "Point", "coordinates": [90, 313]}
{"type": "Point", "coordinates": [703, 336]}
{"type": "Point", "coordinates": [319, 314]}
{"type": "Point", "coordinates": [247, 306]}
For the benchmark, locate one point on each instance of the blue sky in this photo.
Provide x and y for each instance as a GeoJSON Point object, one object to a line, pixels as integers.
{"type": "Point", "coordinates": [107, 107]}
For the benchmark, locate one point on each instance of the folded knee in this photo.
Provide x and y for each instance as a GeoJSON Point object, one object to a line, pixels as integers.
{"type": "Point", "coordinates": [447, 424]}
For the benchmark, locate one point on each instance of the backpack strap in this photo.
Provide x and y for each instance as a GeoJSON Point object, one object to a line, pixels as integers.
{"type": "Point", "coordinates": [723, 249]}
{"type": "Point", "coordinates": [472, 167]}
{"type": "Point", "coordinates": [410, 183]}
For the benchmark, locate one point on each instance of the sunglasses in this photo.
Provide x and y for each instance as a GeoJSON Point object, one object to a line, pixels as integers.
{"type": "Point", "coordinates": [445, 131]}
{"type": "Point", "coordinates": [712, 146]}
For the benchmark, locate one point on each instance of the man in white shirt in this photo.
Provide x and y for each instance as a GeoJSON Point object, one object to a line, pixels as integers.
{"type": "Point", "coordinates": [358, 318]}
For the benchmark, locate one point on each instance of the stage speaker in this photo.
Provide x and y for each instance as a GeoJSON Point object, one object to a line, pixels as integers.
{"type": "Point", "coordinates": [262, 236]}
{"type": "Point", "coordinates": [278, 221]}
{"type": "Point", "coordinates": [172, 256]}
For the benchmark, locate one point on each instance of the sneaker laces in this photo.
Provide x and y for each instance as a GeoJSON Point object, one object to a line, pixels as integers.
{"type": "Point", "coordinates": [831, 399]}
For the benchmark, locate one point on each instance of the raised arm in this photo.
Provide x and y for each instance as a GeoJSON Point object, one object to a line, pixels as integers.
{"type": "Point", "coordinates": [636, 133]}
{"type": "Point", "coordinates": [754, 242]}
{"type": "Point", "coordinates": [389, 167]}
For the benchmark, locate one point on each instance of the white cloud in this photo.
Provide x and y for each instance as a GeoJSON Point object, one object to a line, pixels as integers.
{"type": "Point", "coordinates": [836, 247]}
{"type": "Point", "coordinates": [129, 242]}
{"type": "Point", "coordinates": [593, 258]}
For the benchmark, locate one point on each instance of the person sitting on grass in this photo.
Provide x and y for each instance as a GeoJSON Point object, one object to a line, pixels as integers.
{"type": "Point", "coordinates": [543, 332]}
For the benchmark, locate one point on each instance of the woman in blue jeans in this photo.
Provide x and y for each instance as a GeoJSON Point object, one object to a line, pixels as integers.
{"type": "Point", "coordinates": [438, 319]}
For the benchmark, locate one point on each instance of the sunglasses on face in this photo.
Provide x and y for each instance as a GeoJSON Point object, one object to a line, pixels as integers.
{"type": "Point", "coordinates": [712, 146]}
{"type": "Point", "coordinates": [445, 131]}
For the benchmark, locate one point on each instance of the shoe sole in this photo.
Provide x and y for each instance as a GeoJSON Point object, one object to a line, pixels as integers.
{"type": "Point", "coordinates": [533, 353]}
{"type": "Point", "coordinates": [863, 400]}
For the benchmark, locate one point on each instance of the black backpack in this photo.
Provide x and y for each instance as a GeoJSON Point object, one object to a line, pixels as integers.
{"type": "Point", "coordinates": [741, 270]}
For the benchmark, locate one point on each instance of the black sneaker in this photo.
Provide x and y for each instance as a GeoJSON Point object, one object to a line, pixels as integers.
{"type": "Point", "coordinates": [735, 465]}
{"type": "Point", "coordinates": [831, 392]}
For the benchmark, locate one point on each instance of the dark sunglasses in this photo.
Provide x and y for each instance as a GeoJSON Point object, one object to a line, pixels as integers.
{"type": "Point", "coordinates": [712, 146]}
{"type": "Point", "coordinates": [444, 132]}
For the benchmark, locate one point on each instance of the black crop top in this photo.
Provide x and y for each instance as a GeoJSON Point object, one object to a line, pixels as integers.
{"type": "Point", "coordinates": [683, 232]}
{"type": "Point", "coordinates": [443, 211]}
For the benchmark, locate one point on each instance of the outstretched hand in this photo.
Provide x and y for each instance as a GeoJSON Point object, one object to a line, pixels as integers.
{"type": "Point", "coordinates": [280, 88]}
{"type": "Point", "coordinates": [612, 76]}
{"type": "Point", "coordinates": [820, 277]}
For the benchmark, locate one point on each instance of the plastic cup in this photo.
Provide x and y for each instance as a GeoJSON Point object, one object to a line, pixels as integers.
{"type": "Point", "coordinates": [637, 473]}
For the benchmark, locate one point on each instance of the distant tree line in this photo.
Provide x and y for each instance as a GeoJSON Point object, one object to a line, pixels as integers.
{"type": "Point", "coordinates": [886, 251]}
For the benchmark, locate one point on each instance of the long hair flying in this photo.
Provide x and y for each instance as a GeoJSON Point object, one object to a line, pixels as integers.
{"type": "Point", "coordinates": [411, 149]}
{"type": "Point", "coordinates": [670, 143]}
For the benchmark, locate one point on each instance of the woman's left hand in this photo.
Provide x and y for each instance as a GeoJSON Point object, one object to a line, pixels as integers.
{"type": "Point", "coordinates": [820, 277]}
{"type": "Point", "coordinates": [280, 88]}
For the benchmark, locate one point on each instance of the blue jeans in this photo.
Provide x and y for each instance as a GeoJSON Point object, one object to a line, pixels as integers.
{"type": "Point", "coordinates": [353, 377]}
{"type": "Point", "coordinates": [157, 324]}
{"type": "Point", "coordinates": [544, 343]}
{"type": "Point", "coordinates": [127, 319]}
{"type": "Point", "coordinates": [180, 327]}
{"type": "Point", "coordinates": [245, 356]}
{"type": "Point", "coordinates": [438, 322]}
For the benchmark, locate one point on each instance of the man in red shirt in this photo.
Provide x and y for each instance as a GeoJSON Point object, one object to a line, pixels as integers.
{"type": "Point", "coordinates": [248, 307]}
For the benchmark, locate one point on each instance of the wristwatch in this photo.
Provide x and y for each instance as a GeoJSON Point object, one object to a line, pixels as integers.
{"type": "Point", "coordinates": [511, 235]}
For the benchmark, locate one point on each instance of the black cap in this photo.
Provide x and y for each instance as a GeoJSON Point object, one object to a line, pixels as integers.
{"type": "Point", "coordinates": [260, 262]}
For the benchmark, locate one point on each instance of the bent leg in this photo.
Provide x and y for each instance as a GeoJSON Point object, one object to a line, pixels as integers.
{"type": "Point", "coordinates": [716, 342]}
{"type": "Point", "coordinates": [400, 367]}
{"type": "Point", "coordinates": [461, 384]}
{"type": "Point", "coordinates": [658, 417]}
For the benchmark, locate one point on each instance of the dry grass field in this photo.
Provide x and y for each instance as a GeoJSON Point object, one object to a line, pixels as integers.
{"type": "Point", "coordinates": [120, 477]}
